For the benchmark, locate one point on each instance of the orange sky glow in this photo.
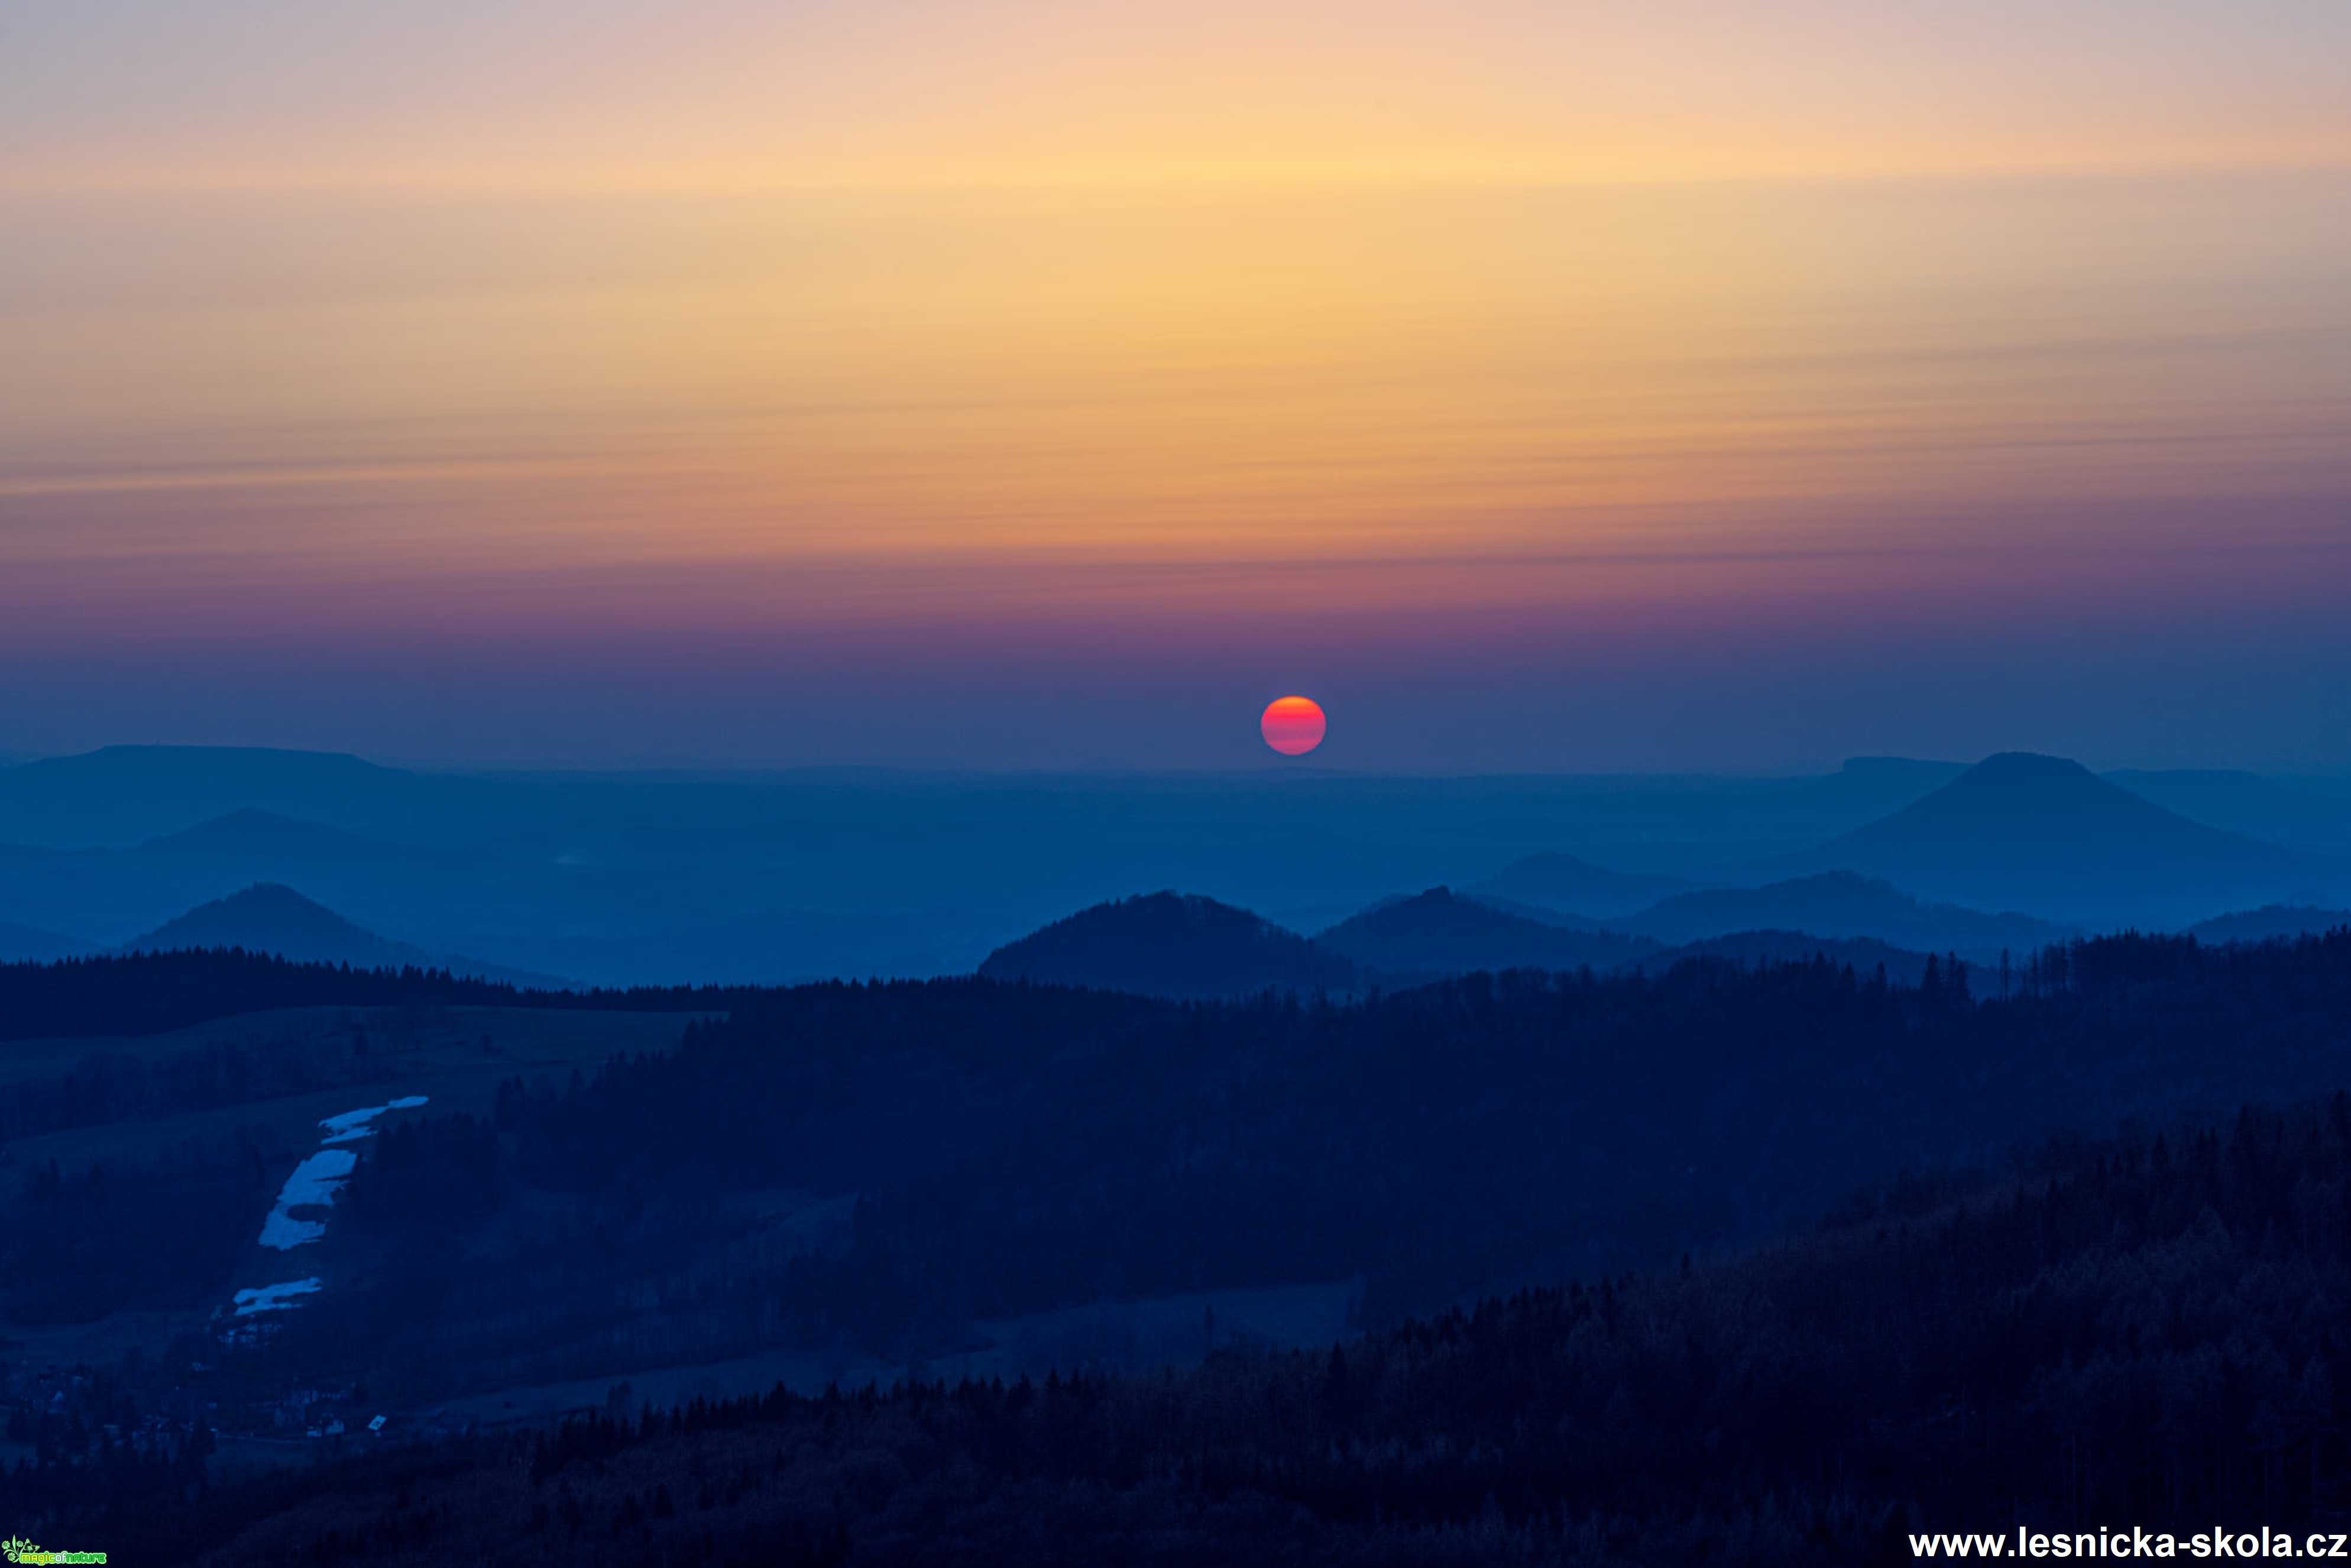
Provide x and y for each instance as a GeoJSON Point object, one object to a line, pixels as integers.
{"type": "Point", "coordinates": [983, 320]}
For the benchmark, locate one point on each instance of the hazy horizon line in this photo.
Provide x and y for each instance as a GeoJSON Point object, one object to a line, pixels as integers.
{"type": "Point", "coordinates": [654, 768]}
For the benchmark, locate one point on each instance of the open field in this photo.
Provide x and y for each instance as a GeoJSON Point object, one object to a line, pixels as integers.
{"type": "Point", "coordinates": [453, 1057]}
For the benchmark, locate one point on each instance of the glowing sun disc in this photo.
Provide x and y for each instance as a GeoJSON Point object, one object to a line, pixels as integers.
{"type": "Point", "coordinates": [1292, 726]}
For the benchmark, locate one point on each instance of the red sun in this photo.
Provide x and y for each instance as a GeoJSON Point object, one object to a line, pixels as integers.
{"type": "Point", "coordinates": [1292, 726]}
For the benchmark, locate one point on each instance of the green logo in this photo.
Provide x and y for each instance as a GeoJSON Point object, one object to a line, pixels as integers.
{"type": "Point", "coordinates": [16, 1549]}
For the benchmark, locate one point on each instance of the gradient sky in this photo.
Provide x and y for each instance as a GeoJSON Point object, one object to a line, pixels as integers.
{"type": "Point", "coordinates": [1540, 386]}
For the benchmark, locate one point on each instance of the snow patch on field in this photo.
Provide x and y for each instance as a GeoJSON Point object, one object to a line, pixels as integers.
{"type": "Point", "coordinates": [314, 1181]}
{"type": "Point", "coordinates": [352, 1125]}
{"type": "Point", "coordinates": [312, 1187]}
{"type": "Point", "coordinates": [274, 1298]}
{"type": "Point", "coordinates": [312, 1184]}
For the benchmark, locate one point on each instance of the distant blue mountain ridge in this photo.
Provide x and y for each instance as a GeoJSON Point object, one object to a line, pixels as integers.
{"type": "Point", "coordinates": [780, 876]}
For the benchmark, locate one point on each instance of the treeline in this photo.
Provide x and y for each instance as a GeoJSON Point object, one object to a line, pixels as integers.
{"type": "Point", "coordinates": [148, 993]}
{"type": "Point", "coordinates": [121, 1085]}
{"type": "Point", "coordinates": [115, 1472]}
{"type": "Point", "coordinates": [2147, 1331]}
{"type": "Point", "coordinates": [157, 1230]}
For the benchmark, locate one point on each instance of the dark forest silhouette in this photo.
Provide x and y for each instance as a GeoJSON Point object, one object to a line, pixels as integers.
{"type": "Point", "coordinates": [2123, 1331]}
{"type": "Point", "coordinates": [1545, 1184]}
{"type": "Point", "coordinates": [150, 992]}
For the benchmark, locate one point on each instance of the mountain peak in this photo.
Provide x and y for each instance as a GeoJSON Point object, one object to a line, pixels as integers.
{"type": "Point", "coordinates": [182, 766]}
{"type": "Point", "coordinates": [2026, 768]}
{"type": "Point", "coordinates": [267, 917]}
{"type": "Point", "coordinates": [1167, 944]}
{"type": "Point", "coordinates": [2056, 793]}
{"type": "Point", "coordinates": [277, 896]}
{"type": "Point", "coordinates": [1844, 883]}
{"type": "Point", "coordinates": [1560, 882]}
{"type": "Point", "coordinates": [1440, 932]}
{"type": "Point", "coordinates": [244, 823]}
{"type": "Point", "coordinates": [271, 917]}
{"type": "Point", "coordinates": [1845, 905]}
{"type": "Point", "coordinates": [2020, 829]}
{"type": "Point", "coordinates": [124, 795]}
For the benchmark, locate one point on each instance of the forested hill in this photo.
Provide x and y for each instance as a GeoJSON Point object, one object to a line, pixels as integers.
{"type": "Point", "coordinates": [1440, 933]}
{"type": "Point", "coordinates": [2142, 1332]}
{"type": "Point", "coordinates": [1170, 944]}
{"type": "Point", "coordinates": [1016, 1149]}
{"type": "Point", "coordinates": [147, 993]}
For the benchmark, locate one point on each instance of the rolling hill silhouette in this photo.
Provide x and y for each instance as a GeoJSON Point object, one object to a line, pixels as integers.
{"type": "Point", "coordinates": [2270, 923]}
{"type": "Point", "coordinates": [1562, 882]}
{"type": "Point", "coordinates": [253, 835]}
{"type": "Point", "coordinates": [122, 794]}
{"type": "Point", "coordinates": [1541, 913]}
{"type": "Point", "coordinates": [1842, 906]}
{"type": "Point", "coordinates": [1441, 933]}
{"type": "Point", "coordinates": [1169, 945]}
{"type": "Point", "coordinates": [2280, 811]}
{"type": "Point", "coordinates": [31, 945]}
{"type": "Point", "coordinates": [621, 878]}
{"type": "Point", "coordinates": [270, 918]}
{"type": "Point", "coordinates": [2020, 830]}
{"type": "Point", "coordinates": [1751, 948]}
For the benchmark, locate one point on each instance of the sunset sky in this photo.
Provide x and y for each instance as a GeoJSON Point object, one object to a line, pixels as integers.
{"type": "Point", "coordinates": [1537, 385]}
